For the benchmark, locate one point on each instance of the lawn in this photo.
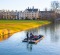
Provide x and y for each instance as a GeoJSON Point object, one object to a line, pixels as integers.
{"type": "Point", "coordinates": [13, 26]}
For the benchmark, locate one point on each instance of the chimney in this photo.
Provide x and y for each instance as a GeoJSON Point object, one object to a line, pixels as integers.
{"type": "Point", "coordinates": [33, 7]}
{"type": "Point", "coordinates": [45, 9]}
{"type": "Point", "coordinates": [28, 7]}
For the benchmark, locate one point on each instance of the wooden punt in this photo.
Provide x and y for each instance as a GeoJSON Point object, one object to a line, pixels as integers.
{"type": "Point", "coordinates": [33, 41]}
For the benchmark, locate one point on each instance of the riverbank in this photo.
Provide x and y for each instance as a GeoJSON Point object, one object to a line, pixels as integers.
{"type": "Point", "coordinates": [13, 26]}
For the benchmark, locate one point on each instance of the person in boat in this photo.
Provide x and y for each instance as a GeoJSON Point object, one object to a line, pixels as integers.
{"type": "Point", "coordinates": [35, 37]}
{"type": "Point", "coordinates": [31, 36]}
{"type": "Point", "coordinates": [27, 35]}
{"type": "Point", "coordinates": [40, 36]}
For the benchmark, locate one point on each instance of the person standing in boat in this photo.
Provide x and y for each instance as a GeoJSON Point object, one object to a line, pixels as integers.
{"type": "Point", "coordinates": [35, 37]}
{"type": "Point", "coordinates": [27, 35]}
{"type": "Point", "coordinates": [31, 36]}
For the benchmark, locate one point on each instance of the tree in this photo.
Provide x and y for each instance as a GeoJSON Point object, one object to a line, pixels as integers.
{"type": "Point", "coordinates": [55, 5]}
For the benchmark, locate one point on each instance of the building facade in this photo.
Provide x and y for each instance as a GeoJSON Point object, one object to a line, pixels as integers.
{"type": "Point", "coordinates": [30, 13]}
{"type": "Point", "coordinates": [6, 14]}
{"type": "Point", "coordinates": [46, 14]}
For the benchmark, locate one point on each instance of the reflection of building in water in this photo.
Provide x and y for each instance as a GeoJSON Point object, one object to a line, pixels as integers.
{"type": "Point", "coordinates": [50, 31]}
{"type": "Point", "coordinates": [53, 32]}
{"type": "Point", "coordinates": [33, 31]}
{"type": "Point", "coordinates": [42, 30]}
{"type": "Point", "coordinates": [38, 31]}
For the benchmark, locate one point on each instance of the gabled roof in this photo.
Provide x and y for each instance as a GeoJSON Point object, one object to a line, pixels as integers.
{"type": "Point", "coordinates": [46, 11]}
{"type": "Point", "coordinates": [32, 10]}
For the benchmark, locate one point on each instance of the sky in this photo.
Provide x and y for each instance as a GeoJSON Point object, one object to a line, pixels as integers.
{"type": "Point", "coordinates": [23, 4]}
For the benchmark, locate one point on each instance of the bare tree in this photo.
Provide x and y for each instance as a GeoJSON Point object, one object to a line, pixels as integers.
{"type": "Point", "coordinates": [55, 5]}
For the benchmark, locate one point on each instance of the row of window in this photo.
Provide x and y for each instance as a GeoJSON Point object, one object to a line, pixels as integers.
{"type": "Point", "coordinates": [28, 15]}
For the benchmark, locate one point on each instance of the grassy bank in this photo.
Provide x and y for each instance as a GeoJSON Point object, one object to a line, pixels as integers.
{"type": "Point", "coordinates": [13, 26]}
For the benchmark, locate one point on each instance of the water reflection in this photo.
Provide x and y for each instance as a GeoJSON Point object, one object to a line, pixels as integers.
{"type": "Point", "coordinates": [51, 34]}
{"type": "Point", "coordinates": [29, 47]}
{"type": "Point", "coordinates": [5, 36]}
{"type": "Point", "coordinates": [51, 31]}
{"type": "Point", "coordinates": [54, 33]}
{"type": "Point", "coordinates": [49, 45]}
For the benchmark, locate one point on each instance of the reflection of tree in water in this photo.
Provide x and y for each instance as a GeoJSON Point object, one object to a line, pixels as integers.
{"type": "Point", "coordinates": [5, 36]}
{"type": "Point", "coordinates": [53, 31]}
{"type": "Point", "coordinates": [29, 47]}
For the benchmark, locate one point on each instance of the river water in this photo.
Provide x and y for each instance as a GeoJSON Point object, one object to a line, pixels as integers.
{"type": "Point", "coordinates": [49, 45]}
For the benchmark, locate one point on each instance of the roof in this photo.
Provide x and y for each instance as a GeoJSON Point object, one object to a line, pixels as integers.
{"type": "Point", "coordinates": [32, 10]}
{"type": "Point", "coordinates": [46, 11]}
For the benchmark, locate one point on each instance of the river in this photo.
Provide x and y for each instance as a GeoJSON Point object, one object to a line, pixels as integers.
{"type": "Point", "coordinates": [49, 45]}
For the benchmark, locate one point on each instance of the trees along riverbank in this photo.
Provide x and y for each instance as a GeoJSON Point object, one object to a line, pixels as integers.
{"type": "Point", "coordinates": [13, 26]}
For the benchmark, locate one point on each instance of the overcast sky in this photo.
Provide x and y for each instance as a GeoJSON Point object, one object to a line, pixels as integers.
{"type": "Point", "coordinates": [23, 4]}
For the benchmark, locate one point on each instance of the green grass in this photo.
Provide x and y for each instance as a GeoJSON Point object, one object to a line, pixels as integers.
{"type": "Point", "coordinates": [20, 21]}
{"type": "Point", "coordinates": [13, 26]}
{"type": "Point", "coordinates": [19, 25]}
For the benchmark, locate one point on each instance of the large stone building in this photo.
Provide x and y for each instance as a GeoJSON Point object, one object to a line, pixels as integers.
{"type": "Point", "coordinates": [30, 13]}
{"type": "Point", "coordinates": [46, 14]}
{"type": "Point", "coordinates": [1, 14]}
{"type": "Point", "coordinates": [6, 14]}
{"type": "Point", "coordinates": [35, 13]}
